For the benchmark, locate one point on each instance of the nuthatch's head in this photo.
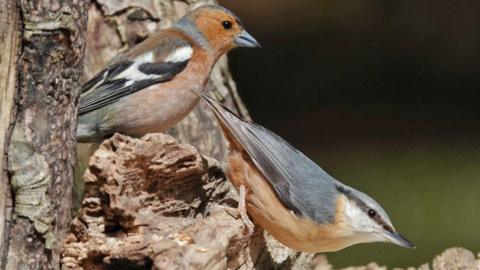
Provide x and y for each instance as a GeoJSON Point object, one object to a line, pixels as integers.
{"type": "Point", "coordinates": [362, 220]}
{"type": "Point", "coordinates": [216, 28]}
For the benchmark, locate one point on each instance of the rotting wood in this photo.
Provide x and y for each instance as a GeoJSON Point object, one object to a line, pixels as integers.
{"type": "Point", "coordinates": [152, 203]}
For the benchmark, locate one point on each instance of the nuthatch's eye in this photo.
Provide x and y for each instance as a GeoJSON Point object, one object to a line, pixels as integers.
{"type": "Point", "coordinates": [227, 24]}
{"type": "Point", "coordinates": [372, 213]}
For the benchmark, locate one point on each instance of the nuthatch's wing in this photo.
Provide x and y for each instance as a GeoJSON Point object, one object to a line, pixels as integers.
{"type": "Point", "coordinates": [156, 60]}
{"type": "Point", "coordinates": [301, 185]}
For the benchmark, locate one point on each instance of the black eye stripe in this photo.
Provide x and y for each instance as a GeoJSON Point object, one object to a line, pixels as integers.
{"type": "Point", "coordinates": [388, 228]}
{"type": "Point", "coordinates": [377, 218]}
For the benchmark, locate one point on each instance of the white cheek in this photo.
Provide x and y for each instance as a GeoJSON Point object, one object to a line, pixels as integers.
{"type": "Point", "coordinates": [352, 211]}
{"type": "Point", "coordinates": [358, 220]}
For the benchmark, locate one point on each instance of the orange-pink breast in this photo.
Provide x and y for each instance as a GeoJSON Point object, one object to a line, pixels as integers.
{"type": "Point", "coordinates": [266, 209]}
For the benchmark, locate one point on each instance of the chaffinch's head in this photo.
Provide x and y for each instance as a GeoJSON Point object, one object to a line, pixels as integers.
{"type": "Point", "coordinates": [216, 28]}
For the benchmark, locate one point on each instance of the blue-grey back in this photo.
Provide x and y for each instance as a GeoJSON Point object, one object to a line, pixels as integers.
{"type": "Point", "coordinates": [300, 184]}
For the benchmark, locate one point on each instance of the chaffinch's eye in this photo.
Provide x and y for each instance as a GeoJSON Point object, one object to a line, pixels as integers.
{"type": "Point", "coordinates": [372, 213]}
{"type": "Point", "coordinates": [227, 24]}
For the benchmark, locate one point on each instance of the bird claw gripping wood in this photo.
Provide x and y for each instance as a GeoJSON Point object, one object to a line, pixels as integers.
{"type": "Point", "coordinates": [241, 212]}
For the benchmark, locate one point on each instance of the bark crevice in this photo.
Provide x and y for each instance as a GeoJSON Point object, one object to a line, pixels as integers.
{"type": "Point", "coordinates": [42, 142]}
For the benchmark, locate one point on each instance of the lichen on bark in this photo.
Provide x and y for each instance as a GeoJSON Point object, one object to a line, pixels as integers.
{"type": "Point", "coordinates": [41, 148]}
{"type": "Point", "coordinates": [29, 182]}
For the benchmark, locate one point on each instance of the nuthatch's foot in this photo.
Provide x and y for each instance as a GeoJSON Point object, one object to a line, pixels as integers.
{"type": "Point", "coordinates": [241, 211]}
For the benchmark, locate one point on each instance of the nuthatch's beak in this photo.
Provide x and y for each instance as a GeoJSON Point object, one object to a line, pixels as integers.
{"type": "Point", "coordinates": [244, 39]}
{"type": "Point", "coordinates": [398, 239]}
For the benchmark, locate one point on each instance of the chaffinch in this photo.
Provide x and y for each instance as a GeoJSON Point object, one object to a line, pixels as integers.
{"type": "Point", "coordinates": [147, 89]}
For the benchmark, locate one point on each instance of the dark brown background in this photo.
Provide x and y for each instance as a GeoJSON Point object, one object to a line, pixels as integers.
{"type": "Point", "coordinates": [384, 95]}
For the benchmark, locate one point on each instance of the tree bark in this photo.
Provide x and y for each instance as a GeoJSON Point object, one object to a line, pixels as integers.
{"type": "Point", "coordinates": [10, 44]}
{"type": "Point", "coordinates": [49, 37]}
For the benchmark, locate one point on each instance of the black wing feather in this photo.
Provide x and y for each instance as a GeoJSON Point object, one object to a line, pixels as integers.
{"type": "Point", "coordinates": [168, 69]}
{"type": "Point", "coordinates": [107, 86]}
{"type": "Point", "coordinates": [113, 91]}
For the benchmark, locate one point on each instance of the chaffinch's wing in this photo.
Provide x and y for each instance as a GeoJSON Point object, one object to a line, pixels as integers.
{"type": "Point", "coordinates": [154, 61]}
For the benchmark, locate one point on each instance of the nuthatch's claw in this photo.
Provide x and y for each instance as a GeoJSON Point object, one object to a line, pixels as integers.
{"type": "Point", "coordinates": [249, 227]}
{"type": "Point", "coordinates": [242, 209]}
{"type": "Point", "coordinates": [241, 212]}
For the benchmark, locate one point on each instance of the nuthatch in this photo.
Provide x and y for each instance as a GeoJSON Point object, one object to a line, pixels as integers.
{"type": "Point", "coordinates": [146, 89]}
{"type": "Point", "coordinates": [292, 198]}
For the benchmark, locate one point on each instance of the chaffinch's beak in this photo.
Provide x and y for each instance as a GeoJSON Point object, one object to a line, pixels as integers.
{"type": "Point", "coordinates": [399, 239]}
{"type": "Point", "coordinates": [244, 39]}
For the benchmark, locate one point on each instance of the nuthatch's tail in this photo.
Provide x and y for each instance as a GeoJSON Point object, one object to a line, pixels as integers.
{"type": "Point", "coordinates": [227, 119]}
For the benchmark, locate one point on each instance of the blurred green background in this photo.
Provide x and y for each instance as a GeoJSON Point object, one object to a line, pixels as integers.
{"type": "Point", "coordinates": [384, 95]}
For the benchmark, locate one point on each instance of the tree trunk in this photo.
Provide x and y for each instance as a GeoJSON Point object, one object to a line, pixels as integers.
{"type": "Point", "coordinates": [43, 65]}
{"type": "Point", "coordinates": [10, 44]}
